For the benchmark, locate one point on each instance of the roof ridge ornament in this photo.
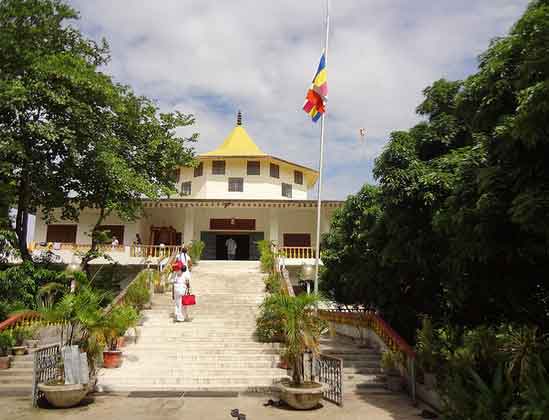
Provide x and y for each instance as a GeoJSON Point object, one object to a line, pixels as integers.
{"type": "Point", "coordinates": [239, 118]}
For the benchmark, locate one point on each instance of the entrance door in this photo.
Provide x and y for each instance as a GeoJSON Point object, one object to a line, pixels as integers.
{"type": "Point", "coordinates": [242, 247]}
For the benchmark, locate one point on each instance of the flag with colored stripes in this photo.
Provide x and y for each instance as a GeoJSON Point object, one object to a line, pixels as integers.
{"type": "Point", "coordinates": [315, 102]}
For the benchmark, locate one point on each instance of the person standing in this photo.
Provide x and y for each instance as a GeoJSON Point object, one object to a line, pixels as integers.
{"type": "Point", "coordinates": [231, 248]}
{"type": "Point", "coordinates": [181, 287]}
{"type": "Point", "coordinates": [138, 242]}
{"type": "Point", "coordinates": [114, 243]}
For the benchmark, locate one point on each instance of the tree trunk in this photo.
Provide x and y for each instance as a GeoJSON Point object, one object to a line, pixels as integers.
{"type": "Point", "coordinates": [22, 218]}
{"type": "Point", "coordinates": [92, 253]}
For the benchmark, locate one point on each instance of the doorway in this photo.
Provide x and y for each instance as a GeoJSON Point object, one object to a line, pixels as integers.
{"type": "Point", "coordinates": [242, 247]}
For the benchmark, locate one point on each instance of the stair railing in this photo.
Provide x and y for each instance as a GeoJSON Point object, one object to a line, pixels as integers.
{"type": "Point", "coordinates": [394, 342]}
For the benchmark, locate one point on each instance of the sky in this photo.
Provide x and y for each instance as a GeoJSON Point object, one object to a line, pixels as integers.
{"type": "Point", "coordinates": [211, 58]}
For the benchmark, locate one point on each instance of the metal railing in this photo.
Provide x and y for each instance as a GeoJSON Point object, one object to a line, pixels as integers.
{"type": "Point", "coordinates": [46, 368]}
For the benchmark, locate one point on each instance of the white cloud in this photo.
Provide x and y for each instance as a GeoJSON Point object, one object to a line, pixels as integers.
{"type": "Point", "coordinates": [211, 57]}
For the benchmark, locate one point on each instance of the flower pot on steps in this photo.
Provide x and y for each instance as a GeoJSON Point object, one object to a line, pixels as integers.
{"type": "Point", "coordinates": [64, 395]}
{"type": "Point", "coordinates": [304, 397]}
{"type": "Point", "coordinates": [5, 362]}
{"type": "Point", "coordinates": [112, 359]}
{"type": "Point", "coordinates": [19, 350]}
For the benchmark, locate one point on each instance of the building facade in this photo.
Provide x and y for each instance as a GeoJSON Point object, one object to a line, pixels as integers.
{"type": "Point", "coordinates": [237, 191]}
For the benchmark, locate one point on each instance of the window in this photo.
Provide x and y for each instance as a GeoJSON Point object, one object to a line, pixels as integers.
{"type": "Point", "coordinates": [298, 177]}
{"type": "Point", "coordinates": [186, 188]}
{"type": "Point", "coordinates": [61, 233]}
{"type": "Point", "coordinates": [236, 184]}
{"type": "Point", "coordinates": [254, 167]}
{"type": "Point", "coordinates": [218, 167]}
{"type": "Point", "coordinates": [287, 190]}
{"type": "Point", "coordinates": [198, 171]}
{"type": "Point", "coordinates": [274, 170]}
{"type": "Point", "coordinates": [297, 239]}
{"type": "Point", "coordinates": [114, 230]}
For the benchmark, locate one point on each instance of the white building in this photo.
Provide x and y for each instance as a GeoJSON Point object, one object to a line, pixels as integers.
{"type": "Point", "coordinates": [237, 191]}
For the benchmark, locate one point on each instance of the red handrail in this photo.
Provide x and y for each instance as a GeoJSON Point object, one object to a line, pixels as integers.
{"type": "Point", "coordinates": [13, 320]}
{"type": "Point", "coordinates": [376, 323]}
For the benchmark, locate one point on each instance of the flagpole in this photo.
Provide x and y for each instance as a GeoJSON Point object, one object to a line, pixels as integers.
{"type": "Point", "coordinates": [322, 129]}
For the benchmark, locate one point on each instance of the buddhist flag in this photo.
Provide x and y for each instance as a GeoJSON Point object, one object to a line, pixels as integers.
{"type": "Point", "coordinates": [315, 103]}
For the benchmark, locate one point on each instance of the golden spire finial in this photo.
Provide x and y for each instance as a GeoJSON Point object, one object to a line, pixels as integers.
{"type": "Point", "coordinates": [239, 118]}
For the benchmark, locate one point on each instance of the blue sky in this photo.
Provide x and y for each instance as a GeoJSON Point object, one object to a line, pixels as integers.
{"type": "Point", "coordinates": [211, 58]}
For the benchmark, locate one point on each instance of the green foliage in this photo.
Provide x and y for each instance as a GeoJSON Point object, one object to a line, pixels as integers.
{"type": "Point", "coordinates": [457, 226]}
{"type": "Point", "coordinates": [392, 361]}
{"type": "Point", "coordinates": [7, 341]}
{"type": "Point", "coordinates": [273, 282]}
{"type": "Point", "coordinates": [115, 323]}
{"type": "Point", "coordinates": [138, 293]}
{"type": "Point", "coordinates": [70, 137]}
{"type": "Point", "coordinates": [20, 285]}
{"type": "Point", "coordinates": [266, 256]}
{"type": "Point", "coordinates": [300, 326]}
{"type": "Point", "coordinates": [425, 346]}
{"type": "Point", "coordinates": [196, 249]}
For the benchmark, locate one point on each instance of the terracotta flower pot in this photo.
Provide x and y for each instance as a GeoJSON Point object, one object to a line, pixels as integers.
{"type": "Point", "coordinates": [5, 362]}
{"type": "Point", "coordinates": [112, 359]}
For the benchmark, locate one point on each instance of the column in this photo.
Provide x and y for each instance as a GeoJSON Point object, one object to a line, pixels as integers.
{"type": "Point", "coordinates": [188, 232]}
{"type": "Point", "coordinates": [273, 225]}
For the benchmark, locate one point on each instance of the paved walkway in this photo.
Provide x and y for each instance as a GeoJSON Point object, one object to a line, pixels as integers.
{"type": "Point", "coordinates": [374, 407]}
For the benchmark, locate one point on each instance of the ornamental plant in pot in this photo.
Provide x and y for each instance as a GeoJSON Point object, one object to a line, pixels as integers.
{"type": "Point", "coordinates": [302, 330]}
{"type": "Point", "coordinates": [21, 334]}
{"type": "Point", "coordinates": [78, 315]}
{"type": "Point", "coordinates": [391, 361]}
{"type": "Point", "coordinates": [426, 352]}
{"type": "Point", "coordinates": [114, 325]}
{"type": "Point", "coordinates": [6, 343]}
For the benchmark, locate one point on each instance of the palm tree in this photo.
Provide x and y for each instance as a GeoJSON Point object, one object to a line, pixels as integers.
{"type": "Point", "coordinates": [301, 326]}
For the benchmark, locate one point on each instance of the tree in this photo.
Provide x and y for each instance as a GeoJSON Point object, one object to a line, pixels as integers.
{"type": "Point", "coordinates": [71, 138]}
{"type": "Point", "coordinates": [458, 226]}
{"type": "Point", "coordinates": [49, 91]}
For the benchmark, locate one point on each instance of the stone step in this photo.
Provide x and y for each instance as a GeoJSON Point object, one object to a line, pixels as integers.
{"type": "Point", "coordinates": [218, 381]}
{"type": "Point", "coordinates": [21, 379]}
{"type": "Point", "coordinates": [15, 371]}
{"type": "Point", "coordinates": [188, 372]}
{"type": "Point", "coordinates": [16, 390]}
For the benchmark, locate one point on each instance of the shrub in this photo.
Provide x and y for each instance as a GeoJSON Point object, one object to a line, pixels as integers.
{"type": "Point", "coordinates": [273, 283]}
{"type": "Point", "coordinates": [266, 256]}
{"type": "Point", "coordinates": [7, 341]}
{"type": "Point", "coordinates": [138, 294]}
{"type": "Point", "coordinates": [196, 249]}
{"type": "Point", "coordinates": [115, 324]}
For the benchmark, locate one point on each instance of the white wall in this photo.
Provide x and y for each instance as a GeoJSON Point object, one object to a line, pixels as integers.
{"type": "Point", "coordinates": [87, 221]}
{"type": "Point", "coordinates": [261, 186]}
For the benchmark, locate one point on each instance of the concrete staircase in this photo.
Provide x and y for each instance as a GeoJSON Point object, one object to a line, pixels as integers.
{"type": "Point", "coordinates": [17, 380]}
{"type": "Point", "coordinates": [216, 351]}
{"type": "Point", "coordinates": [361, 366]}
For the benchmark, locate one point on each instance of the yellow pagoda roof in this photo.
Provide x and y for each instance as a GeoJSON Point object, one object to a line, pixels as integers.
{"type": "Point", "coordinates": [238, 143]}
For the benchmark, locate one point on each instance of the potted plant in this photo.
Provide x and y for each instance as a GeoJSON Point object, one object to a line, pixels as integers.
{"type": "Point", "coordinates": [79, 315]}
{"type": "Point", "coordinates": [195, 251]}
{"type": "Point", "coordinates": [20, 334]}
{"type": "Point", "coordinates": [6, 343]}
{"type": "Point", "coordinates": [391, 362]}
{"type": "Point", "coordinates": [302, 330]}
{"type": "Point", "coordinates": [114, 325]}
{"type": "Point", "coordinates": [33, 340]}
{"type": "Point", "coordinates": [425, 347]}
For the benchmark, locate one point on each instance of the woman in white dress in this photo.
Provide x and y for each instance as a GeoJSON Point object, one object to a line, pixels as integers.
{"type": "Point", "coordinates": [181, 286]}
